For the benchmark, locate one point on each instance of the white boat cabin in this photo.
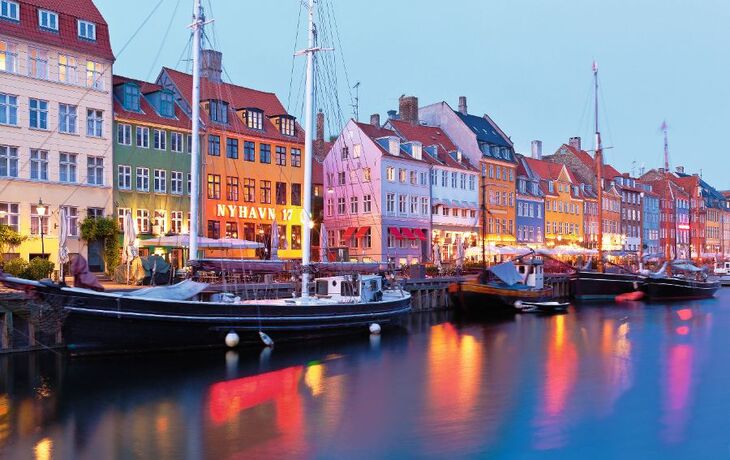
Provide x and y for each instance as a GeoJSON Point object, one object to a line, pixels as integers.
{"type": "Point", "coordinates": [722, 268]}
{"type": "Point", "coordinates": [531, 272]}
{"type": "Point", "coordinates": [363, 288]}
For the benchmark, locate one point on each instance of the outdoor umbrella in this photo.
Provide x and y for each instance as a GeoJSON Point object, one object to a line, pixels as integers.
{"type": "Point", "coordinates": [459, 252]}
{"type": "Point", "coordinates": [436, 255]}
{"type": "Point", "coordinates": [62, 241]}
{"type": "Point", "coordinates": [274, 241]}
{"type": "Point", "coordinates": [323, 243]}
{"type": "Point", "coordinates": [130, 235]}
{"type": "Point", "coordinates": [183, 241]}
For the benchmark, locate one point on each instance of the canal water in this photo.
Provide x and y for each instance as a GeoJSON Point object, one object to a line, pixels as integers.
{"type": "Point", "coordinates": [618, 381]}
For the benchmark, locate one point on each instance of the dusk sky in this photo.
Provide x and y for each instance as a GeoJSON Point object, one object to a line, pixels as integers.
{"type": "Point", "coordinates": [527, 63]}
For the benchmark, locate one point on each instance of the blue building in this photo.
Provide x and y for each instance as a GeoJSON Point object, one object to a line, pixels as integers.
{"type": "Point", "coordinates": [650, 245]}
{"type": "Point", "coordinates": [530, 212]}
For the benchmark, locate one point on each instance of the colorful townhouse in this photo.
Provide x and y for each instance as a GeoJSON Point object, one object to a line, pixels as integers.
{"type": "Point", "coordinates": [252, 161]}
{"type": "Point", "coordinates": [453, 181]}
{"type": "Point", "coordinates": [674, 213]}
{"type": "Point", "coordinates": [651, 246]}
{"type": "Point", "coordinates": [152, 146]}
{"type": "Point", "coordinates": [590, 216]}
{"type": "Point", "coordinates": [484, 143]}
{"type": "Point", "coordinates": [708, 206]}
{"type": "Point", "coordinates": [377, 196]}
{"type": "Point", "coordinates": [55, 123]}
{"type": "Point", "coordinates": [530, 214]}
{"type": "Point", "coordinates": [614, 239]}
{"type": "Point", "coordinates": [563, 203]}
{"type": "Point", "coordinates": [631, 207]}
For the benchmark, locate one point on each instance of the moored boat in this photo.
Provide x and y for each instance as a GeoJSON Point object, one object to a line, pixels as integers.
{"type": "Point", "coordinates": [597, 286]}
{"type": "Point", "coordinates": [685, 282]}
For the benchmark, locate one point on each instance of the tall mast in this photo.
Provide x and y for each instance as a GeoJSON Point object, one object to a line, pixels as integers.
{"type": "Point", "coordinates": [306, 234]}
{"type": "Point", "coordinates": [197, 26]}
{"type": "Point", "coordinates": [484, 217]}
{"type": "Point", "coordinates": [599, 170]}
{"type": "Point", "coordinates": [672, 204]}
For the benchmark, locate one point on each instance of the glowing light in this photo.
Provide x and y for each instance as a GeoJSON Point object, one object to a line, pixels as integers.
{"type": "Point", "coordinates": [684, 314]}
{"type": "Point", "coordinates": [314, 379]}
{"type": "Point", "coordinates": [682, 330]}
{"type": "Point", "coordinates": [43, 449]}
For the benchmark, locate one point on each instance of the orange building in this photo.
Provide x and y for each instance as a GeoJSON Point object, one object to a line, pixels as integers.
{"type": "Point", "coordinates": [252, 170]}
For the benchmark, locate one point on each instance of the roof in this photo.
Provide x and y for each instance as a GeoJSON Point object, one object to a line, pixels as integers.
{"type": "Point", "coordinates": [147, 113]}
{"type": "Point", "coordinates": [377, 132]}
{"type": "Point", "coordinates": [69, 11]}
{"type": "Point", "coordinates": [708, 191]}
{"type": "Point", "coordinates": [609, 172]}
{"type": "Point", "coordinates": [548, 170]}
{"type": "Point", "coordinates": [486, 131]}
{"type": "Point", "coordinates": [145, 87]}
{"type": "Point", "coordinates": [429, 136]}
{"type": "Point", "coordinates": [237, 97]}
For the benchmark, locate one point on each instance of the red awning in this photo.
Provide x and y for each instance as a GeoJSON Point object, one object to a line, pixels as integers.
{"type": "Point", "coordinates": [394, 231]}
{"type": "Point", "coordinates": [407, 234]}
{"type": "Point", "coordinates": [419, 234]}
{"type": "Point", "coordinates": [349, 232]}
{"type": "Point", "coordinates": [361, 232]}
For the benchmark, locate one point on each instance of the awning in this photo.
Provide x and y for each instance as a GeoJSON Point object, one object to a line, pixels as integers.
{"type": "Point", "coordinates": [349, 232]}
{"type": "Point", "coordinates": [471, 205]}
{"type": "Point", "coordinates": [394, 231]}
{"type": "Point", "coordinates": [362, 231]}
{"type": "Point", "coordinates": [441, 201]}
{"type": "Point", "coordinates": [407, 233]}
{"type": "Point", "coordinates": [419, 234]}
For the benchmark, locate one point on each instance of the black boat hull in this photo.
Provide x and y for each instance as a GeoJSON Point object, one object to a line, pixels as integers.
{"type": "Point", "coordinates": [483, 300]}
{"type": "Point", "coordinates": [596, 286]}
{"type": "Point", "coordinates": [670, 288]}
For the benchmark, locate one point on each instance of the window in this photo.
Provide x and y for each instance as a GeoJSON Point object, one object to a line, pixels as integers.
{"type": "Point", "coordinates": [66, 167]}
{"type": "Point", "coordinates": [255, 119]}
{"type": "Point", "coordinates": [249, 190]}
{"type": "Point", "coordinates": [444, 179]}
{"type": "Point", "coordinates": [232, 148]}
{"type": "Point", "coordinates": [176, 222]}
{"type": "Point", "coordinates": [38, 113]}
{"type": "Point", "coordinates": [424, 206]}
{"type": "Point", "coordinates": [354, 205]}
{"type": "Point", "coordinates": [38, 164]}
{"type": "Point", "coordinates": [280, 193]}
{"type": "Point", "coordinates": [390, 202]}
{"type": "Point", "coordinates": [390, 173]}
{"type": "Point", "coordinates": [160, 181]}
{"type": "Point", "coordinates": [366, 175]}
{"type": "Point", "coordinates": [462, 180]}
{"type": "Point", "coordinates": [214, 186]}
{"type": "Point", "coordinates": [402, 176]}
{"type": "Point", "coordinates": [367, 203]}
{"type": "Point", "coordinates": [37, 63]}
{"type": "Point", "coordinates": [265, 153]}
{"type": "Point", "coordinates": [231, 230]}
{"type": "Point", "coordinates": [86, 30]}
{"type": "Point", "coordinates": [189, 143]}
{"type": "Point", "coordinates": [9, 10]}
{"type": "Point", "coordinates": [176, 142]}
{"type": "Point", "coordinates": [214, 146]}
{"type": "Point", "coordinates": [160, 222]}
{"type": "Point", "coordinates": [402, 204]}
{"type": "Point", "coordinates": [67, 121]}
{"type": "Point", "coordinates": [280, 155]}
{"type": "Point", "coordinates": [190, 183]}
{"type": "Point", "coordinates": [232, 188]}
{"type": "Point", "coordinates": [66, 69]}
{"type": "Point", "coordinates": [424, 180]}
{"type": "Point", "coordinates": [453, 179]}
{"type": "Point", "coordinates": [330, 207]}
{"type": "Point", "coordinates": [8, 57]}
{"type": "Point", "coordinates": [143, 221]}
{"type": "Point", "coordinates": [176, 183]}
{"type": "Point", "coordinates": [414, 205]}
{"type": "Point", "coordinates": [214, 229]}
{"type": "Point", "coordinates": [95, 170]}
{"type": "Point", "coordinates": [356, 150]}
{"type": "Point", "coordinates": [287, 126]}
{"type": "Point", "coordinates": [414, 178]}
{"type": "Point", "coordinates": [143, 179]}
{"type": "Point", "coordinates": [143, 137]}
{"type": "Point", "coordinates": [10, 216]}
{"type": "Point", "coordinates": [218, 111]}
{"type": "Point", "coordinates": [93, 75]}
{"type": "Point", "coordinates": [167, 104]}
{"type": "Point", "coordinates": [296, 158]}
{"type": "Point", "coordinates": [499, 172]}
{"type": "Point", "coordinates": [266, 192]}
{"type": "Point", "coordinates": [38, 221]}
{"type": "Point", "coordinates": [124, 134]}
{"type": "Point", "coordinates": [249, 151]}
{"type": "Point", "coordinates": [345, 152]}
{"type": "Point", "coordinates": [296, 237]}
{"type": "Point", "coordinates": [124, 177]}
{"type": "Point", "coordinates": [131, 96]}
{"type": "Point", "coordinates": [341, 205]}
{"type": "Point", "coordinates": [296, 194]}
{"type": "Point", "coordinates": [160, 139]}
{"type": "Point", "coordinates": [94, 122]}
{"type": "Point", "coordinates": [121, 215]}
{"type": "Point", "coordinates": [8, 108]}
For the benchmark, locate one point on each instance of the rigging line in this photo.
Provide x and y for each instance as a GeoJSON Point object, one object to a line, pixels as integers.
{"type": "Point", "coordinates": [185, 52]}
{"type": "Point", "coordinates": [164, 39]}
{"type": "Point", "coordinates": [134, 34]}
{"type": "Point", "coordinates": [341, 49]}
{"type": "Point", "coordinates": [294, 58]}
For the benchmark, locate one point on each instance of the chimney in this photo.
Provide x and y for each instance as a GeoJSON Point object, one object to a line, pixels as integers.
{"type": "Point", "coordinates": [680, 169]}
{"type": "Point", "coordinates": [536, 149]}
{"type": "Point", "coordinates": [575, 142]}
{"type": "Point", "coordinates": [661, 170]}
{"type": "Point", "coordinates": [392, 115]}
{"type": "Point", "coordinates": [375, 120]}
{"type": "Point", "coordinates": [320, 126]}
{"type": "Point", "coordinates": [211, 65]}
{"type": "Point", "coordinates": [408, 109]}
{"type": "Point", "coordinates": [462, 105]}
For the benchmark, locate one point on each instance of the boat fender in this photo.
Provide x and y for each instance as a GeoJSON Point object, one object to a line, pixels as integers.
{"type": "Point", "coordinates": [268, 341]}
{"type": "Point", "coordinates": [232, 339]}
{"type": "Point", "coordinates": [636, 285]}
{"type": "Point", "coordinates": [374, 328]}
{"type": "Point", "coordinates": [518, 304]}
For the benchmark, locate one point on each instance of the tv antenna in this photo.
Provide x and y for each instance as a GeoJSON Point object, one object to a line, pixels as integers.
{"type": "Point", "coordinates": [356, 105]}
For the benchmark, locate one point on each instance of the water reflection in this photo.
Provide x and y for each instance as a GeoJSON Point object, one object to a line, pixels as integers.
{"type": "Point", "coordinates": [518, 388]}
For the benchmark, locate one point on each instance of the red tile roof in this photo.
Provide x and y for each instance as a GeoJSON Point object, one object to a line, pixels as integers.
{"type": "Point", "coordinates": [376, 132]}
{"type": "Point", "coordinates": [67, 35]}
{"type": "Point", "coordinates": [237, 97]}
{"type": "Point", "coordinates": [144, 86]}
{"type": "Point", "coordinates": [609, 172]}
{"type": "Point", "coordinates": [428, 136]}
{"type": "Point", "coordinates": [548, 170]}
{"type": "Point", "coordinates": [147, 113]}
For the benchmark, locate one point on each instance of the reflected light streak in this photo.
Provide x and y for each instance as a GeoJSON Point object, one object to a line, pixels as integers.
{"type": "Point", "coordinates": [678, 385]}
{"type": "Point", "coordinates": [43, 449]}
{"type": "Point", "coordinates": [682, 330]}
{"type": "Point", "coordinates": [314, 378]}
{"type": "Point", "coordinates": [684, 314]}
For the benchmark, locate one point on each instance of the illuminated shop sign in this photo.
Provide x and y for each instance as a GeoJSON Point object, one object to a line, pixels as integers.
{"type": "Point", "coordinates": [253, 212]}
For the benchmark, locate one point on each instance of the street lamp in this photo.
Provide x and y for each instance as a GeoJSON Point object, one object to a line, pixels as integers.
{"type": "Point", "coordinates": [41, 210]}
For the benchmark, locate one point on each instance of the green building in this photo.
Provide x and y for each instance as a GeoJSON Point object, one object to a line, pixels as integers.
{"type": "Point", "coordinates": [151, 160]}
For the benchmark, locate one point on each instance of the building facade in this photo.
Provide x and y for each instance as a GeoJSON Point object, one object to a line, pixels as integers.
{"type": "Point", "coordinates": [530, 213]}
{"type": "Point", "coordinates": [55, 123]}
{"type": "Point", "coordinates": [650, 222]}
{"type": "Point", "coordinates": [631, 208]}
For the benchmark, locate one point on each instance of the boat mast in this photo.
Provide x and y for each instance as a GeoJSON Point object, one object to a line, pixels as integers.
{"type": "Point", "coordinates": [484, 217]}
{"type": "Point", "coordinates": [598, 157]}
{"type": "Point", "coordinates": [672, 202]}
{"type": "Point", "coordinates": [197, 26]}
{"type": "Point", "coordinates": [307, 210]}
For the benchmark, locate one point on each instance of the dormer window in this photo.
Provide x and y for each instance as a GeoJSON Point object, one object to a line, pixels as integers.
{"type": "Point", "coordinates": [286, 124]}
{"type": "Point", "coordinates": [417, 151]}
{"type": "Point", "coordinates": [550, 186]}
{"type": "Point", "coordinates": [48, 20]}
{"type": "Point", "coordinates": [86, 30]}
{"type": "Point", "coordinates": [131, 97]}
{"type": "Point", "coordinates": [167, 104]}
{"type": "Point", "coordinates": [218, 111]}
{"type": "Point", "coordinates": [9, 10]}
{"type": "Point", "coordinates": [255, 119]}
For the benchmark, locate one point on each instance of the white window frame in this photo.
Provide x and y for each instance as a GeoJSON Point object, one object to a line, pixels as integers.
{"type": "Point", "coordinates": [86, 30]}
{"type": "Point", "coordinates": [143, 220]}
{"type": "Point", "coordinates": [50, 18]}
{"type": "Point", "coordinates": [69, 65]}
{"type": "Point", "coordinates": [67, 118]}
{"type": "Point", "coordinates": [142, 179]}
{"type": "Point", "coordinates": [94, 123]}
{"type": "Point", "coordinates": [8, 56]}
{"type": "Point", "coordinates": [160, 181]}
{"type": "Point", "coordinates": [9, 109]}
{"type": "Point", "coordinates": [10, 215]}
{"type": "Point", "coordinates": [72, 217]}
{"type": "Point", "coordinates": [124, 134]}
{"type": "Point", "coordinates": [94, 170]}
{"type": "Point", "coordinates": [94, 73]}
{"type": "Point", "coordinates": [41, 113]}
{"type": "Point", "coordinates": [145, 137]}
{"type": "Point", "coordinates": [37, 63]}
{"type": "Point", "coordinates": [10, 10]}
{"type": "Point", "coordinates": [68, 167]}
{"type": "Point", "coordinates": [124, 177]}
{"type": "Point", "coordinates": [176, 182]}
{"type": "Point", "coordinates": [176, 221]}
{"type": "Point", "coordinates": [160, 139]}
{"type": "Point", "coordinates": [176, 142]}
{"type": "Point", "coordinates": [38, 165]}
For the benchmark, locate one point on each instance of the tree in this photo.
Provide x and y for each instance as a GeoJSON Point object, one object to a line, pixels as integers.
{"type": "Point", "coordinates": [104, 229]}
{"type": "Point", "coordinates": [9, 238]}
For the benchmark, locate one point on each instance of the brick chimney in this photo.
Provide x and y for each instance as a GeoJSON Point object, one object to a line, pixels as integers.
{"type": "Point", "coordinates": [375, 119]}
{"type": "Point", "coordinates": [680, 169]}
{"type": "Point", "coordinates": [575, 142]}
{"type": "Point", "coordinates": [462, 105]}
{"type": "Point", "coordinates": [536, 149]}
{"type": "Point", "coordinates": [211, 65]}
{"type": "Point", "coordinates": [408, 109]}
{"type": "Point", "coordinates": [320, 126]}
